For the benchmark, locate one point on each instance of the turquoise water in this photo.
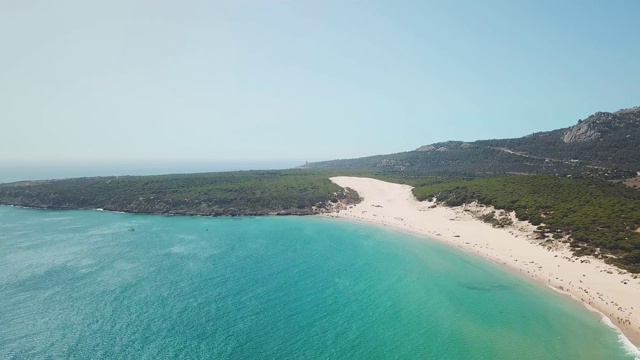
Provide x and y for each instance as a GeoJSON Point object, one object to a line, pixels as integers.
{"type": "Point", "coordinates": [79, 285]}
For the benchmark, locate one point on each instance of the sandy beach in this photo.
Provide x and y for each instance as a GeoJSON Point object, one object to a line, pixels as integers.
{"type": "Point", "coordinates": [607, 289]}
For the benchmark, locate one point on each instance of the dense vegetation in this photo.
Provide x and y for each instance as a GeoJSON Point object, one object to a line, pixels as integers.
{"type": "Point", "coordinates": [615, 143]}
{"type": "Point", "coordinates": [604, 146]}
{"type": "Point", "coordinates": [597, 217]}
{"type": "Point", "coordinates": [464, 158]}
{"type": "Point", "coordinates": [231, 193]}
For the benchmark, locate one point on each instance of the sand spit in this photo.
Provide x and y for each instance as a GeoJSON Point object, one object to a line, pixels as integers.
{"type": "Point", "coordinates": [609, 290]}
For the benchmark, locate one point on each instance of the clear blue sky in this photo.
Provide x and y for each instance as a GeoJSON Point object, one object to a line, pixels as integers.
{"type": "Point", "coordinates": [131, 81]}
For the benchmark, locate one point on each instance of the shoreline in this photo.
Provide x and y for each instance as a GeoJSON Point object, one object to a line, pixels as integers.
{"type": "Point", "coordinates": [605, 289]}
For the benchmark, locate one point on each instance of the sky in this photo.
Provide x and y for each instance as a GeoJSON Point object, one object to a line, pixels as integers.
{"type": "Point", "coordinates": [239, 81]}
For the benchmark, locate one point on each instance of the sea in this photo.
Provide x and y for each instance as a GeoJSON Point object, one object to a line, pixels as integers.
{"type": "Point", "coordinates": [19, 171]}
{"type": "Point", "coordinates": [84, 284]}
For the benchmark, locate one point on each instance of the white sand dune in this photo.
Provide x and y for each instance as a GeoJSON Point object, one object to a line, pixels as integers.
{"type": "Point", "coordinates": [614, 293]}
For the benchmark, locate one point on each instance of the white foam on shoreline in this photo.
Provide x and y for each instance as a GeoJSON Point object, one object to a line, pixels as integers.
{"type": "Point", "coordinates": [624, 341]}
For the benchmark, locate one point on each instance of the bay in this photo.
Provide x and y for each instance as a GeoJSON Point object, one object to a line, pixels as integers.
{"type": "Point", "coordinates": [91, 284]}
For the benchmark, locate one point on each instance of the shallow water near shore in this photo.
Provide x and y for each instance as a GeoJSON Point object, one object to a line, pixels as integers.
{"type": "Point", "coordinates": [80, 284]}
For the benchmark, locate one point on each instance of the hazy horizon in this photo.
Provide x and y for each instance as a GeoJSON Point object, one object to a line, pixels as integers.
{"type": "Point", "coordinates": [12, 172]}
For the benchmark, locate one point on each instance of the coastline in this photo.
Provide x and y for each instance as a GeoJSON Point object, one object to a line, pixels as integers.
{"type": "Point", "coordinates": [603, 288]}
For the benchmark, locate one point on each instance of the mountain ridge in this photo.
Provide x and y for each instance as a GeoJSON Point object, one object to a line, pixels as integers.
{"type": "Point", "coordinates": [604, 145]}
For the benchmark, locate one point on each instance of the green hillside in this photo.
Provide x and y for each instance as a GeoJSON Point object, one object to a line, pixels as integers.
{"type": "Point", "coordinates": [603, 146]}
{"type": "Point", "coordinates": [604, 139]}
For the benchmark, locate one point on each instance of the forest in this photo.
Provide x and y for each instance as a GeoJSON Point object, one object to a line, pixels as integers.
{"type": "Point", "coordinates": [479, 160]}
{"type": "Point", "coordinates": [595, 217]}
{"type": "Point", "coordinates": [226, 193]}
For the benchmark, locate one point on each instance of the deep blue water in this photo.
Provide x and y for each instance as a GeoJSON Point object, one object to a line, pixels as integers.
{"type": "Point", "coordinates": [80, 285]}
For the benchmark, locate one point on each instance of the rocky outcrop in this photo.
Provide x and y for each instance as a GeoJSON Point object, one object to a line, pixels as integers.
{"type": "Point", "coordinates": [583, 131]}
{"type": "Point", "coordinates": [395, 164]}
{"type": "Point", "coordinates": [634, 110]}
{"type": "Point", "coordinates": [426, 148]}
{"type": "Point", "coordinates": [445, 146]}
{"type": "Point", "coordinates": [598, 124]}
